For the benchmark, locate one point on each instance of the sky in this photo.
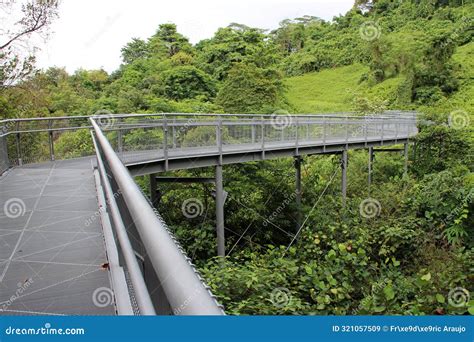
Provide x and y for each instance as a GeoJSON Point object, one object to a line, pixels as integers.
{"type": "Point", "coordinates": [90, 33]}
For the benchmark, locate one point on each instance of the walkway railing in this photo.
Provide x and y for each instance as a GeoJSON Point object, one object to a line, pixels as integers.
{"type": "Point", "coordinates": [140, 138]}
{"type": "Point", "coordinates": [175, 285]}
{"type": "Point", "coordinates": [162, 279]}
{"type": "Point", "coordinates": [41, 139]}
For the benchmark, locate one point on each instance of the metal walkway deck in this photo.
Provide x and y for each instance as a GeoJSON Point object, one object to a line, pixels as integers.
{"type": "Point", "coordinates": [78, 237]}
{"type": "Point", "coordinates": [52, 252]}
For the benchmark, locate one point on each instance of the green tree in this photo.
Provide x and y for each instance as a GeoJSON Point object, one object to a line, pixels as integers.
{"type": "Point", "coordinates": [186, 82]}
{"type": "Point", "coordinates": [134, 50]}
{"type": "Point", "coordinates": [167, 42]}
{"type": "Point", "coordinates": [250, 89]}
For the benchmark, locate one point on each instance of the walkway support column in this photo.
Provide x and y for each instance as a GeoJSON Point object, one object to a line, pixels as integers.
{"type": "Point", "coordinates": [298, 161]}
{"type": "Point", "coordinates": [220, 212]}
{"type": "Point", "coordinates": [153, 190]}
{"type": "Point", "coordinates": [405, 154]}
{"type": "Point", "coordinates": [371, 161]}
{"type": "Point", "coordinates": [344, 177]}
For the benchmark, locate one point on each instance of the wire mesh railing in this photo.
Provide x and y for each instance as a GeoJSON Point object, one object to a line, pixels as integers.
{"type": "Point", "coordinates": [142, 136]}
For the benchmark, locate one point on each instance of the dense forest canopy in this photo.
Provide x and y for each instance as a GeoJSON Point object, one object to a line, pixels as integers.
{"type": "Point", "coordinates": [382, 54]}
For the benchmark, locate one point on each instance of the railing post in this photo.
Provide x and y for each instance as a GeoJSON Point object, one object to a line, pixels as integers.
{"type": "Point", "coordinates": [324, 133]}
{"type": "Point", "coordinates": [18, 149]}
{"type": "Point", "coordinates": [119, 141]}
{"type": "Point", "coordinates": [165, 141]}
{"type": "Point", "coordinates": [219, 138]}
{"type": "Point", "coordinates": [4, 160]}
{"type": "Point", "coordinates": [51, 141]}
{"type": "Point", "coordinates": [297, 136]}
{"type": "Point", "coordinates": [174, 132]}
{"type": "Point", "coordinates": [366, 129]}
{"type": "Point", "coordinates": [347, 129]}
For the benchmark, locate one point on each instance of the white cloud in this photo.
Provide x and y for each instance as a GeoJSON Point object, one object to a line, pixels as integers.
{"type": "Point", "coordinates": [90, 33]}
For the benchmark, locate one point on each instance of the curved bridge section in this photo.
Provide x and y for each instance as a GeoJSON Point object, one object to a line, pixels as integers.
{"type": "Point", "coordinates": [80, 229]}
{"type": "Point", "coordinates": [183, 141]}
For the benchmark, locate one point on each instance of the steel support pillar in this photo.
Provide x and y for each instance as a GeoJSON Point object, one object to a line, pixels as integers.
{"type": "Point", "coordinates": [298, 191]}
{"type": "Point", "coordinates": [371, 161]}
{"type": "Point", "coordinates": [220, 212]}
{"type": "Point", "coordinates": [154, 191]}
{"type": "Point", "coordinates": [344, 177]}
{"type": "Point", "coordinates": [405, 154]}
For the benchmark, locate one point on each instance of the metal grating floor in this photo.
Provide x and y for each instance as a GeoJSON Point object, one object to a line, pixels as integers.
{"type": "Point", "coordinates": [51, 243]}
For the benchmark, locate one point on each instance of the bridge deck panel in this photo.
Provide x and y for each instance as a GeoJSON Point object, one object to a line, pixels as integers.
{"type": "Point", "coordinates": [52, 254]}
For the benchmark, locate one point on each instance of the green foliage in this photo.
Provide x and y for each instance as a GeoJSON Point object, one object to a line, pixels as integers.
{"type": "Point", "coordinates": [185, 82]}
{"type": "Point", "coordinates": [439, 147]}
{"type": "Point", "coordinates": [248, 89]}
{"type": "Point", "coordinates": [74, 145]}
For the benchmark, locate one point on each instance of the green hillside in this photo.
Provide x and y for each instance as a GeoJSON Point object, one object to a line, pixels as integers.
{"type": "Point", "coordinates": [325, 91]}
{"type": "Point", "coordinates": [334, 90]}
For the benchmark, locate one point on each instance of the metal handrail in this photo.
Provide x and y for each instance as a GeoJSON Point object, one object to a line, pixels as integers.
{"type": "Point", "coordinates": [118, 122]}
{"type": "Point", "coordinates": [387, 114]}
{"type": "Point", "coordinates": [184, 290]}
{"type": "Point", "coordinates": [144, 302]}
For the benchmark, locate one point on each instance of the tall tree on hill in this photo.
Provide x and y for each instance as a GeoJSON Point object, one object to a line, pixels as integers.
{"type": "Point", "coordinates": [167, 41]}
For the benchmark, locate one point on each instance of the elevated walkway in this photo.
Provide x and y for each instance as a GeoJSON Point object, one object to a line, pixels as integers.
{"type": "Point", "coordinates": [78, 237]}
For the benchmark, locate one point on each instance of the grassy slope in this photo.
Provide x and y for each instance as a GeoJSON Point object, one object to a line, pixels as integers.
{"type": "Point", "coordinates": [333, 89]}
{"type": "Point", "coordinates": [463, 99]}
{"type": "Point", "coordinates": [325, 91]}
